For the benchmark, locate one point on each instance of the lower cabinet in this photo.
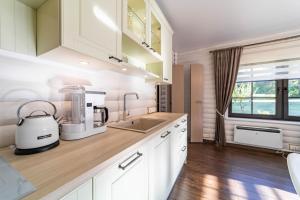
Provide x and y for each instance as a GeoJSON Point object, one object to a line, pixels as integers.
{"type": "Point", "coordinates": [160, 173]}
{"type": "Point", "coordinates": [83, 192]}
{"type": "Point", "coordinates": [127, 179]}
{"type": "Point", "coordinates": [147, 173]}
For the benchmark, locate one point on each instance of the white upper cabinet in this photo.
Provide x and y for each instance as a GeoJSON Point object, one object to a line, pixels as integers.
{"type": "Point", "coordinates": [17, 27]}
{"type": "Point", "coordinates": [167, 54]}
{"type": "Point", "coordinates": [135, 19]}
{"type": "Point", "coordinates": [155, 32]}
{"type": "Point", "coordinates": [98, 30]}
{"type": "Point", "coordinates": [90, 27]}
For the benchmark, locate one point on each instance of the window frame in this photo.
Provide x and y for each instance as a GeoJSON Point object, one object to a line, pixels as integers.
{"type": "Point", "coordinates": [286, 97]}
{"type": "Point", "coordinates": [278, 106]}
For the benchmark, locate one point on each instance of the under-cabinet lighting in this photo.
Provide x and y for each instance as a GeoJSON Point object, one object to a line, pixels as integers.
{"type": "Point", "coordinates": [154, 75]}
{"type": "Point", "coordinates": [124, 69]}
{"type": "Point", "coordinates": [84, 62]}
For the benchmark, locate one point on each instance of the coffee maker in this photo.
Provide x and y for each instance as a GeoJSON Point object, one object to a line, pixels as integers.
{"type": "Point", "coordinates": [84, 113]}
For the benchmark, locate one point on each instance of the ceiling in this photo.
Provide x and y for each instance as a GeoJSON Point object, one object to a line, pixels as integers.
{"type": "Point", "coordinates": [204, 23]}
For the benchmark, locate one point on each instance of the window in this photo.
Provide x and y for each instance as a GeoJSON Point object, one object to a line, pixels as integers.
{"type": "Point", "coordinates": [292, 99]}
{"type": "Point", "coordinates": [257, 99]}
{"type": "Point", "coordinates": [269, 90]}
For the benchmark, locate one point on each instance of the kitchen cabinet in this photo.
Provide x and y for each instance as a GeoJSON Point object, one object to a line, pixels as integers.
{"type": "Point", "coordinates": [145, 25]}
{"type": "Point", "coordinates": [17, 27]}
{"type": "Point", "coordinates": [147, 171]}
{"type": "Point", "coordinates": [178, 92]}
{"type": "Point", "coordinates": [127, 179]}
{"type": "Point", "coordinates": [83, 192]}
{"type": "Point", "coordinates": [160, 166]}
{"type": "Point", "coordinates": [167, 53]}
{"type": "Point", "coordinates": [135, 19]}
{"type": "Point", "coordinates": [155, 33]}
{"type": "Point", "coordinates": [90, 27]}
{"type": "Point", "coordinates": [179, 147]}
{"type": "Point", "coordinates": [196, 103]}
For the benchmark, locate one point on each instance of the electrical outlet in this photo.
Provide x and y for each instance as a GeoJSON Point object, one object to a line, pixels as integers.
{"type": "Point", "coordinates": [294, 147]}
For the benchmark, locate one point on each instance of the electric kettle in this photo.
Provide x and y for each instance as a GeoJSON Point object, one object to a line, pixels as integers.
{"type": "Point", "coordinates": [36, 132]}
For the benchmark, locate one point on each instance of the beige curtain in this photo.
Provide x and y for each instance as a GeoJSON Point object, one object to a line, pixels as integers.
{"type": "Point", "coordinates": [226, 65]}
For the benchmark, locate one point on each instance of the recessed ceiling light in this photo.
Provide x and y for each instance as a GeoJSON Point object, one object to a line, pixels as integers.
{"type": "Point", "coordinates": [124, 69]}
{"type": "Point", "coordinates": [84, 62]}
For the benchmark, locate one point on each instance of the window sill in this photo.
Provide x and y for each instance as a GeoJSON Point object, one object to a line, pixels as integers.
{"type": "Point", "coordinates": [263, 121]}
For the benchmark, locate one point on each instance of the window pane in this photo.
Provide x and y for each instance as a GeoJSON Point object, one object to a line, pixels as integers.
{"type": "Point", "coordinates": [294, 88]}
{"type": "Point", "coordinates": [264, 89]}
{"type": "Point", "coordinates": [294, 107]}
{"type": "Point", "coordinates": [242, 89]}
{"type": "Point", "coordinates": [241, 106]}
{"type": "Point", "coordinates": [264, 106]}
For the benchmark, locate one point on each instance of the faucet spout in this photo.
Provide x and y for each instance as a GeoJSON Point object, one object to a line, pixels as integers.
{"type": "Point", "coordinates": [124, 105]}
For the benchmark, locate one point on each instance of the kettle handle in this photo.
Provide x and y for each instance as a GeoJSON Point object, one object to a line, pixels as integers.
{"type": "Point", "coordinates": [20, 108]}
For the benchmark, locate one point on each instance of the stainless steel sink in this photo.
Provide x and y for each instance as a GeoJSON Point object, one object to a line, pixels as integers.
{"type": "Point", "coordinates": [143, 125]}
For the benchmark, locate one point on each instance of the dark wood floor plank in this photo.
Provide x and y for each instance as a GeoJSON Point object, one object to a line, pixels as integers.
{"type": "Point", "coordinates": [232, 174]}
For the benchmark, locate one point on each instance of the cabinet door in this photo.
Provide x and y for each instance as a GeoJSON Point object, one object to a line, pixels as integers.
{"type": "Point", "coordinates": [167, 54]}
{"type": "Point", "coordinates": [7, 25]}
{"type": "Point", "coordinates": [196, 103]}
{"type": "Point", "coordinates": [160, 168]}
{"type": "Point", "coordinates": [155, 32]}
{"type": "Point", "coordinates": [17, 27]}
{"type": "Point", "coordinates": [128, 179]}
{"type": "Point", "coordinates": [92, 27]}
{"type": "Point", "coordinates": [83, 192]}
{"type": "Point", "coordinates": [179, 147]}
{"type": "Point", "coordinates": [135, 14]}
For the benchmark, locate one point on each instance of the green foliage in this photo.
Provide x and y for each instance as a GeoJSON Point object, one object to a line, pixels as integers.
{"type": "Point", "coordinates": [294, 88]}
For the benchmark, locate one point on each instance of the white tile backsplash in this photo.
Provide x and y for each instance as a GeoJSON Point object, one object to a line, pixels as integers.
{"type": "Point", "coordinates": [22, 80]}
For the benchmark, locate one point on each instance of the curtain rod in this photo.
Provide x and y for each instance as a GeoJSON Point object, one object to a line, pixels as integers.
{"type": "Point", "coordinates": [259, 43]}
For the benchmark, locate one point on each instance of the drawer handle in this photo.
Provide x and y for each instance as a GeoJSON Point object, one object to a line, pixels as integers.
{"type": "Point", "coordinates": [183, 130]}
{"type": "Point", "coordinates": [183, 148]}
{"type": "Point", "coordinates": [130, 160]}
{"type": "Point", "coordinates": [115, 58]}
{"type": "Point", "coordinates": [166, 134]}
{"type": "Point", "coordinates": [177, 125]}
{"type": "Point", "coordinates": [184, 120]}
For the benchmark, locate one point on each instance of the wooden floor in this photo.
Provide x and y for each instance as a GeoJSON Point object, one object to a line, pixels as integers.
{"type": "Point", "coordinates": [233, 173]}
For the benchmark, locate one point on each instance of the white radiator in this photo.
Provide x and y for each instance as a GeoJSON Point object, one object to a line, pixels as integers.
{"type": "Point", "coordinates": [258, 136]}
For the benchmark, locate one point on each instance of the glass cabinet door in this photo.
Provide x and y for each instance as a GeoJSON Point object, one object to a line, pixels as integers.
{"type": "Point", "coordinates": [136, 18]}
{"type": "Point", "coordinates": [155, 34]}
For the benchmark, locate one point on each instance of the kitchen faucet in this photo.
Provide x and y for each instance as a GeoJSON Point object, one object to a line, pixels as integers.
{"type": "Point", "coordinates": [124, 108]}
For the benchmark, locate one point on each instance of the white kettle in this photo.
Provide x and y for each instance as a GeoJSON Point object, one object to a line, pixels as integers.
{"type": "Point", "coordinates": [36, 133]}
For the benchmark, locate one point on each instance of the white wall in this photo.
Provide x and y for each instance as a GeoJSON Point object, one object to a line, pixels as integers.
{"type": "Point", "coordinates": [291, 131]}
{"type": "Point", "coordinates": [22, 80]}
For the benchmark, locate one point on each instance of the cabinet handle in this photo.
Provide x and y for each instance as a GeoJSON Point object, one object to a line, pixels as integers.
{"type": "Point", "coordinates": [145, 44]}
{"type": "Point", "coordinates": [177, 125]}
{"type": "Point", "coordinates": [183, 148]}
{"type": "Point", "coordinates": [115, 58]}
{"type": "Point", "coordinates": [153, 49]}
{"type": "Point", "coordinates": [184, 120]}
{"type": "Point", "coordinates": [166, 79]}
{"type": "Point", "coordinates": [130, 160]}
{"type": "Point", "coordinates": [166, 134]}
{"type": "Point", "coordinates": [183, 130]}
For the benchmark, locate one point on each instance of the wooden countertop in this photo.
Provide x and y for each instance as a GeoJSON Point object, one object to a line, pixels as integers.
{"type": "Point", "coordinates": [73, 162]}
